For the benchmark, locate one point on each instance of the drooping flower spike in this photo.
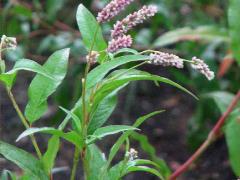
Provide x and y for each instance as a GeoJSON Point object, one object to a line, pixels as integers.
{"type": "Point", "coordinates": [119, 43]}
{"type": "Point", "coordinates": [202, 67]}
{"type": "Point", "coordinates": [132, 20]}
{"type": "Point", "coordinates": [166, 59]}
{"type": "Point", "coordinates": [112, 9]}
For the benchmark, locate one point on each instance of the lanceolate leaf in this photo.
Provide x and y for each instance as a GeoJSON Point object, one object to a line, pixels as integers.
{"type": "Point", "coordinates": [232, 133]}
{"type": "Point", "coordinates": [123, 137]}
{"type": "Point", "coordinates": [221, 98]}
{"type": "Point", "coordinates": [234, 27]}
{"type": "Point", "coordinates": [41, 87]}
{"type": "Point", "coordinates": [90, 30]}
{"type": "Point", "coordinates": [102, 70]}
{"type": "Point", "coordinates": [145, 169]}
{"type": "Point", "coordinates": [96, 161]}
{"type": "Point", "coordinates": [109, 130]}
{"type": "Point", "coordinates": [23, 64]}
{"type": "Point", "coordinates": [150, 150]}
{"type": "Point", "coordinates": [29, 65]}
{"type": "Point", "coordinates": [128, 76]}
{"type": "Point", "coordinates": [24, 160]}
{"type": "Point", "coordinates": [202, 33]}
{"type": "Point", "coordinates": [49, 157]}
{"type": "Point", "coordinates": [5, 174]}
{"type": "Point", "coordinates": [72, 136]}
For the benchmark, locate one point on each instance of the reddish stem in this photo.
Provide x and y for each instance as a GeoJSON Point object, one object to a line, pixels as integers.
{"type": "Point", "coordinates": [211, 137]}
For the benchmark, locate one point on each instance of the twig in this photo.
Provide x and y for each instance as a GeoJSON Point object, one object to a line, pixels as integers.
{"type": "Point", "coordinates": [211, 138]}
{"type": "Point", "coordinates": [24, 121]}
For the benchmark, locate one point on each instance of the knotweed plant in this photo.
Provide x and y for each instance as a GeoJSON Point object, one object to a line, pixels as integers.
{"type": "Point", "coordinates": [100, 86]}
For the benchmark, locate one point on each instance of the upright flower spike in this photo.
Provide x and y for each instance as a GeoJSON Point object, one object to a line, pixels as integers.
{"type": "Point", "coordinates": [165, 59]}
{"type": "Point", "coordinates": [202, 67]}
{"type": "Point", "coordinates": [132, 20]}
{"type": "Point", "coordinates": [112, 9]}
{"type": "Point", "coordinates": [119, 43]}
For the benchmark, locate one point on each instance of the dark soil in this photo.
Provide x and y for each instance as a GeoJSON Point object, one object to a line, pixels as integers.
{"type": "Point", "coordinates": [167, 132]}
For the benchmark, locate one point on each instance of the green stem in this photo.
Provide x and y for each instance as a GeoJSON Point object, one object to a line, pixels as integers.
{"type": "Point", "coordinates": [75, 163]}
{"type": "Point", "coordinates": [24, 121]}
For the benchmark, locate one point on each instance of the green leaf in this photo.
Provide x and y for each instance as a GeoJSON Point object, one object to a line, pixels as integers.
{"type": "Point", "coordinates": [203, 33]}
{"type": "Point", "coordinates": [123, 137]}
{"type": "Point", "coordinates": [5, 174]}
{"type": "Point", "coordinates": [232, 133]}
{"type": "Point", "coordinates": [24, 160]}
{"type": "Point", "coordinates": [76, 120]}
{"type": "Point", "coordinates": [29, 65]}
{"type": "Point", "coordinates": [234, 27]}
{"type": "Point", "coordinates": [49, 157]}
{"type": "Point", "coordinates": [103, 112]}
{"type": "Point", "coordinates": [23, 64]}
{"type": "Point", "coordinates": [96, 161]}
{"type": "Point", "coordinates": [145, 169]}
{"type": "Point", "coordinates": [109, 130]}
{"type": "Point", "coordinates": [98, 73]}
{"type": "Point", "coordinates": [41, 87]}
{"type": "Point", "coordinates": [150, 150]}
{"type": "Point", "coordinates": [72, 136]}
{"type": "Point", "coordinates": [126, 50]}
{"type": "Point", "coordinates": [221, 98]}
{"type": "Point", "coordinates": [52, 7]}
{"type": "Point", "coordinates": [8, 79]}
{"type": "Point", "coordinates": [125, 76]}
{"type": "Point", "coordinates": [90, 30]}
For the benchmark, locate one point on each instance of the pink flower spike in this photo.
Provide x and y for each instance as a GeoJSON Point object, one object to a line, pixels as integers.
{"type": "Point", "coordinates": [119, 43]}
{"type": "Point", "coordinates": [165, 59]}
{"type": "Point", "coordinates": [202, 67]}
{"type": "Point", "coordinates": [112, 9]}
{"type": "Point", "coordinates": [132, 20]}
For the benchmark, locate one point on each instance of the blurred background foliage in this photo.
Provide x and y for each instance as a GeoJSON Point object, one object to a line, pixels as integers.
{"type": "Point", "coordinates": [187, 28]}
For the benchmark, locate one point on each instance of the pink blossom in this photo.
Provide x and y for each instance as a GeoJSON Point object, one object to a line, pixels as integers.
{"type": "Point", "coordinates": [132, 20]}
{"type": "Point", "coordinates": [112, 9]}
{"type": "Point", "coordinates": [202, 67]}
{"type": "Point", "coordinates": [119, 43]}
{"type": "Point", "coordinates": [165, 59]}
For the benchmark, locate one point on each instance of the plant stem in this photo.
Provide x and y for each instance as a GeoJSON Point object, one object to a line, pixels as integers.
{"type": "Point", "coordinates": [213, 135]}
{"type": "Point", "coordinates": [75, 163]}
{"type": "Point", "coordinates": [24, 121]}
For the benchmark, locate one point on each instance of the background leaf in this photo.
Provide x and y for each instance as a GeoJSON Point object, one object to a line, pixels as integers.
{"type": "Point", "coordinates": [202, 33]}
{"type": "Point", "coordinates": [234, 27]}
{"type": "Point", "coordinates": [232, 133]}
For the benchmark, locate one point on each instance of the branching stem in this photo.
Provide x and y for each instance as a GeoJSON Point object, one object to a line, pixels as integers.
{"type": "Point", "coordinates": [213, 135]}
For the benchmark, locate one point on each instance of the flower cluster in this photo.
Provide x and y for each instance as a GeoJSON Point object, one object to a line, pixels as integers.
{"type": "Point", "coordinates": [119, 43]}
{"type": "Point", "coordinates": [166, 59]}
{"type": "Point", "coordinates": [112, 9]}
{"type": "Point", "coordinates": [8, 42]}
{"type": "Point", "coordinates": [202, 67]}
{"type": "Point", "coordinates": [132, 20]}
{"type": "Point", "coordinates": [132, 154]}
{"type": "Point", "coordinates": [118, 34]}
{"type": "Point", "coordinates": [92, 57]}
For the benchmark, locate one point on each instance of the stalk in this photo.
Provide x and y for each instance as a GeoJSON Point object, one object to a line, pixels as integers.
{"type": "Point", "coordinates": [20, 114]}
{"type": "Point", "coordinates": [24, 122]}
{"type": "Point", "coordinates": [213, 135]}
{"type": "Point", "coordinates": [84, 122]}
